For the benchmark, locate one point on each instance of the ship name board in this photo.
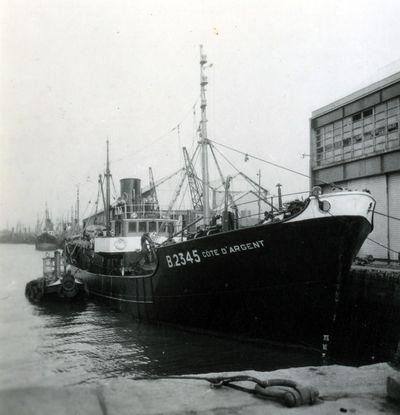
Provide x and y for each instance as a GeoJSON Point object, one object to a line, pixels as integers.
{"type": "Point", "coordinates": [192, 256]}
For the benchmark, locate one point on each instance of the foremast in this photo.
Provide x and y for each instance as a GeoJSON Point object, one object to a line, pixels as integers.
{"type": "Point", "coordinates": [107, 205]}
{"type": "Point", "coordinates": [203, 138]}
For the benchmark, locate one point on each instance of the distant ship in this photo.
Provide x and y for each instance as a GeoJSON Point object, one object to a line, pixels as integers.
{"type": "Point", "coordinates": [47, 239]}
{"type": "Point", "coordinates": [279, 279]}
{"type": "Point", "coordinates": [18, 235]}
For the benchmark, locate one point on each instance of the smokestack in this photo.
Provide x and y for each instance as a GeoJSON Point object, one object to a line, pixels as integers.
{"type": "Point", "coordinates": [131, 191]}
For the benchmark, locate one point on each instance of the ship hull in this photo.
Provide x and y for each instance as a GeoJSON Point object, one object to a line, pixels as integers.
{"type": "Point", "coordinates": [46, 242]}
{"type": "Point", "coordinates": [275, 281]}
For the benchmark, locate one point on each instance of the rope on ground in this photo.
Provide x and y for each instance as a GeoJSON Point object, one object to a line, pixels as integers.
{"type": "Point", "coordinates": [284, 391]}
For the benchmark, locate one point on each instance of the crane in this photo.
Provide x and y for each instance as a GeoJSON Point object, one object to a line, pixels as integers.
{"type": "Point", "coordinates": [194, 184]}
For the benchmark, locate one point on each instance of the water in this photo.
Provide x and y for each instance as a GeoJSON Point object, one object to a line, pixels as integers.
{"type": "Point", "coordinates": [85, 343]}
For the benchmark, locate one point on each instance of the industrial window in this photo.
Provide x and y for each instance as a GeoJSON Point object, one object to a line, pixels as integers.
{"type": "Point", "coordinates": [368, 112]}
{"type": "Point", "coordinates": [393, 127]}
{"type": "Point", "coordinates": [393, 103]}
{"type": "Point", "coordinates": [142, 227]}
{"type": "Point", "coordinates": [357, 138]}
{"type": "Point", "coordinates": [357, 117]}
{"type": "Point", "coordinates": [346, 121]}
{"type": "Point", "coordinates": [132, 227]}
{"type": "Point", "coordinates": [328, 147]}
{"type": "Point", "coordinates": [320, 150]}
{"type": "Point", "coordinates": [380, 131]}
{"type": "Point", "coordinates": [368, 135]}
{"type": "Point", "coordinates": [337, 145]}
{"type": "Point", "coordinates": [318, 137]}
{"type": "Point", "coordinates": [346, 142]}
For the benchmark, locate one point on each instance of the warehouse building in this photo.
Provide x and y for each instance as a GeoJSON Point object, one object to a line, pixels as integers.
{"type": "Point", "coordinates": [355, 143]}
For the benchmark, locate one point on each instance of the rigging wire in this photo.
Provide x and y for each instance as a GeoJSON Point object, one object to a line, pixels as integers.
{"type": "Point", "coordinates": [388, 216]}
{"type": "Point", "coordinates": [383, 246]}
{"type": "Point", "coordinates": [194, 127]}
{"type": "Point", "coordinates": [261, 159]}
{"type": "Point", "coordinates": [178, 131]}
{"type": "Point", "coordinates": [247, 156]}
{"type": "Point", "coordinates": [164, 179]}
{"type": "Point", "coordinates": [232, 177]}
{"type": "Point", "coordinates": [183, 195]}
{"type": "Point", "coordinates": [160, 137]}
{"type": "Point", "coordinates": [113, 185]}
{"type": "Point", "coordinates": [256, 186]}
{"type": "Point", "coordinates": [84, 212]}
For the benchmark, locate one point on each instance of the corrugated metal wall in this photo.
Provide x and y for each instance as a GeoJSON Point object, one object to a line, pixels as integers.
{"type": "Point", "coordinates": [377, 186]}
{"type": "Point", "coordinates": [394, 210]}
{"type": "Point", "coordinates": [386, 191]}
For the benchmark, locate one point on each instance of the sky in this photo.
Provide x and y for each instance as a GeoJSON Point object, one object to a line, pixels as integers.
{"type": "Point", "coordinates": [76, 73]}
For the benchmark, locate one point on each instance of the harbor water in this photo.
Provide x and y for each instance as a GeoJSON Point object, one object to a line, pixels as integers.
{"type": "Point", "coordinates": [83, 343]}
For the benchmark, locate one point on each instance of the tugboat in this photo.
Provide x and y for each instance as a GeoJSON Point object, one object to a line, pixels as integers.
{"type": "Point", "coordinates": [57, 281]}
{"type": "Point", "coordinates": [277, 280]}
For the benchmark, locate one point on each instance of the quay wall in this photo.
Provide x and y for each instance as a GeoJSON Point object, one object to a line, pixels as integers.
{"type": "Point", "coordinates": [368, 322]}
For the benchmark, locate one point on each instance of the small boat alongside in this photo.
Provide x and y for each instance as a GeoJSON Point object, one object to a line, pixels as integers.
{"type": "Point", "coordinates": [57, 282]}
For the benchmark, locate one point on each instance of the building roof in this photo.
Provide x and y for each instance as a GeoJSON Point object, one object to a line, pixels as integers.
{"type": "Point", "coordinates": [376, 86]}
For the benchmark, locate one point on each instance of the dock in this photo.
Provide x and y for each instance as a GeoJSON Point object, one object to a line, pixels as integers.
{"type": "Point", "coordinates": [341, 389]}
{"type": "Point", "coordinates": [368, 321]}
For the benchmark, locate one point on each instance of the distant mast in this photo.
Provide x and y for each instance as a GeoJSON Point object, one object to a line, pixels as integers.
{"type": "Point", "coordinates": [77, 208]}
{"type": "Point", "coordinates": [203, 138]}
{"type": "Point", "coordinates": [107, 206]}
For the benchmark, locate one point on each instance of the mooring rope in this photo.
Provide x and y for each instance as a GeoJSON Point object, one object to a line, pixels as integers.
{"type": "Point", "coordinates": [284, 391]}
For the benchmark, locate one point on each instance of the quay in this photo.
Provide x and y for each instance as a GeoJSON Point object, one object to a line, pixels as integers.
{"type": "Point", "coordinates": [341, 389]}
{"type": "Point", "coordinates": [368, 321]}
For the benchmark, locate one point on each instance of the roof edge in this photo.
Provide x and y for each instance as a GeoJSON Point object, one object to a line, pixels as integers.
{"type": "Point", "coordinates": [385, 82]}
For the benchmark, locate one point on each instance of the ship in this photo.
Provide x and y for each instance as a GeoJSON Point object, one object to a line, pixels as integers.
{"type": "Point", "coordinates": [46, 239]}
{"type": "Point", "coordinates": [278, 280]}
{"type": "Point", "coordinates": [56, 282]}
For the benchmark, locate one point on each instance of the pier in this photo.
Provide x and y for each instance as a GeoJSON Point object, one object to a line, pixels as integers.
{"type": "Point", "coordinates": [341, 389]}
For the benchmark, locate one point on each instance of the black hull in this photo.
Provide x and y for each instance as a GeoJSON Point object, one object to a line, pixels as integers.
{"type": "Point", "coordinates": [46, 242]}
{"type": "Point", "coordinates": [275, 281]}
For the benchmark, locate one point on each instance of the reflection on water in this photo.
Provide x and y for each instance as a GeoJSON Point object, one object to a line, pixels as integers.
{"type": "Point", "coordinates": [75, 343]}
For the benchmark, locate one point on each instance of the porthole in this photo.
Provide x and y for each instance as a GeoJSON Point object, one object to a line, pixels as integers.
{"type": "Point", "coordinates": [324, 205]}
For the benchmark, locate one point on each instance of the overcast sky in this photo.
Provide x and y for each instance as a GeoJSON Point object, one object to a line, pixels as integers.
{"type": "Point", "coordinates": [74, 73]}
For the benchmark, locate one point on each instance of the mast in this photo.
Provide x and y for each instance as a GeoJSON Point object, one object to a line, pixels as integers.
{"type": "Point", "coordinates": [204, 139]}
{"type": "Point", "coordinates": [77, 207]}
{"type": "Point", "coordinates": [156, 206]}
{"type": "Point", "coordinates": [259, 194]}
{"type": "Point", "coordinates": [107, 206]}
